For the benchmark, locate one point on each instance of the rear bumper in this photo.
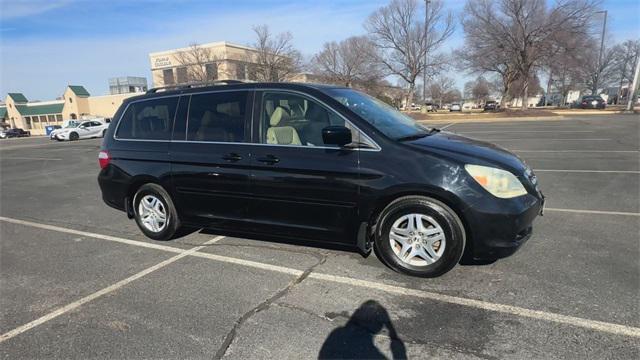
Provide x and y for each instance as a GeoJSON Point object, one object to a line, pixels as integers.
{"type": "Point", "coordinates": [499, 227]}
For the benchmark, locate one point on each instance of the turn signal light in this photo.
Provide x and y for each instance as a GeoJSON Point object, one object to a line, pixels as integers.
{"type": "Point", "coordinates": [103, 159]}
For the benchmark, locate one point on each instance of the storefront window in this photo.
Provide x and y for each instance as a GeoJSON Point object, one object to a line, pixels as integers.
{"type": "Point", "coordinates": [167, 76]}
{"type": "Point", "coordinates": [59, 117]}
{"type": "Point", "coordinates": [212, 71]}
{"type": "Point", "coordinates": [182, 75]}
{"type": "Point", "coordinates": [241, 71]}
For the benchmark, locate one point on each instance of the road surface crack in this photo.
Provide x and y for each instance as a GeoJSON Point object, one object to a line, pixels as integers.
{"type": "Point", "coordinates": [231, 335]}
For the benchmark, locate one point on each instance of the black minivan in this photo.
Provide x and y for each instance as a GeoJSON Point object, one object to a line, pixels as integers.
{"type": "Point", "coordinates": [315, 163]}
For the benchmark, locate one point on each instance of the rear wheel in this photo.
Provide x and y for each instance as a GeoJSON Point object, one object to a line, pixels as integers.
{"type": "Point", "coordinates": [155, 213]}
{"type": "Point", "coordinates": [74, 136]}
{"type": "Point", "coordinates": [419, 236]}
{"type": "Point", "coordinates": [104, 132]}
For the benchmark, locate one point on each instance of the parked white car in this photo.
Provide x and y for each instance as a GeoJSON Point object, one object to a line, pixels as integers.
{"type": "Point", "coordinates": [83, 130]}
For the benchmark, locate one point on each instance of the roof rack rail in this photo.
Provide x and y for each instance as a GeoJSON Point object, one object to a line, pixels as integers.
{"type": "Point", "coordinates": [193, 85]}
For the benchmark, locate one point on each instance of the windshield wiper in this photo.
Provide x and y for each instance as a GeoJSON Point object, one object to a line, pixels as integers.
{"type": "Point", "coordinates": [418, 135]}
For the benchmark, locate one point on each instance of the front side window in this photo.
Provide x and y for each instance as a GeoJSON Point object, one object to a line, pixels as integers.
{"type": "Point", "coordinates": [218, 117]}
{"type": "Point", "coordinates": [383, 117]}
{"type": "Point", "coordinates": [291, 119]}
{"type": "Point", "coordinates": [148, 120]}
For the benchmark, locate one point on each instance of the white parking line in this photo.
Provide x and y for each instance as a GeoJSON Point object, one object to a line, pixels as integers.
{"type": "Point", "coordinates": [485, 305]}
{"type": "Point", "coordinates": [547, 139]}
{"type": "Point", "coordinates": [478, 304]}
{"type": "Point", "coordinates": [28, 158]}
{"type": "Point", "coordinates": [595, 212]}
{"type": "Point", "coordinates": [525, 131]}
{"type": "Point", "coordinates": [590, 171]}
{"type": "Point", "coordinates": [52, 315]}
{"type": "Point", "coordinates": [575, 151]}
{"type": "Point", "coordinates": [448, 125]}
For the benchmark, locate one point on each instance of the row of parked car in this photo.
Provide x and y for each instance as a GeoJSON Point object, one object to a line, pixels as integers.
{"type": "Point", "coordinates": [431, 107]}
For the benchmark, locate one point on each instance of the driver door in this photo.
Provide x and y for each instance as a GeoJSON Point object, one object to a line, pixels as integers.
{"type": "Point", "coordinates": [300, 186]}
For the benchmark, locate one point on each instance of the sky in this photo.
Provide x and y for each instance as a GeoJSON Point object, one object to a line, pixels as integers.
{"type": "Point", "coordinates": [47, 44]}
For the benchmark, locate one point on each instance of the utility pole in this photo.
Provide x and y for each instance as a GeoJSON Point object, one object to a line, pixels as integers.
{"type": "Point", "coordinates": [634, 87]}
{"type": "Point", "coordinates": [426, 46]}
{"type": "Point", "coordinates": [604, 28]}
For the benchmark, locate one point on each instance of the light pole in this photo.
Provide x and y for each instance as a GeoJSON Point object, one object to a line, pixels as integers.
{"type": "Point", "coordinates": [634, 86]}
{"type": "Point", "coordinates": [426, 48]}
{"type": "Point", "coordinates": [604, 28]}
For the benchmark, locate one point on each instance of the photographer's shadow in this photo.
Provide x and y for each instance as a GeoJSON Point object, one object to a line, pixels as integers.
{"type": "Point", "coordinates": [355, 340]}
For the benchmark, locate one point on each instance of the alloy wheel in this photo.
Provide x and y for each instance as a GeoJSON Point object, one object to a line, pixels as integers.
{"type": "Point", "coordinates": [153, 214]}
{"type": "Point", "coordinates": [417, 239]}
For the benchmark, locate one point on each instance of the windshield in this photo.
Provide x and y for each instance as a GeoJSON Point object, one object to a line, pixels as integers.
{"type": "Point", "coordinates": [72, 124]}
{"type": "Point", "coordinates": [383, 117]}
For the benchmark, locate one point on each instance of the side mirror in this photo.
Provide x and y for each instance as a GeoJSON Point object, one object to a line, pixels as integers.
{"type": "Point", "coordinates": [336, 135]}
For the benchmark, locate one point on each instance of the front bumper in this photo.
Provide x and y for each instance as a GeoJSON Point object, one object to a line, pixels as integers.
{"type": "Point", "coordinates": [499, 227]}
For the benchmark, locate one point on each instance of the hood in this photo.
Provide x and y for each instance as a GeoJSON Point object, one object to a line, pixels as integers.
{"type": "Point", "coordinates": [468, 147]}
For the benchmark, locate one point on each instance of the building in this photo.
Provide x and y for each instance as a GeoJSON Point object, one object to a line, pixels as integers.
{"type": "Point", "coordinates": [201, 63]}
{"type": "Point", "coordinates": [76, 102]}
{"type": "Point", "coordinates": [127, 84]}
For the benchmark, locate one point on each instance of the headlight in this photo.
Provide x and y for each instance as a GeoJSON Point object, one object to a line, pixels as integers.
{"type": "Point", "coordinates": [499, 183]}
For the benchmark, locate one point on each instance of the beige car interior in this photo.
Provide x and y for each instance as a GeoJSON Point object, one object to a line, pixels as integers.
{"type": "Point", "coordinates": [280, 133]}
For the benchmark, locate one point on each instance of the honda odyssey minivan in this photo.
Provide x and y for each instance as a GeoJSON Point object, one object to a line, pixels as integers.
{"type": "Point", "coordinates": [315, 163]}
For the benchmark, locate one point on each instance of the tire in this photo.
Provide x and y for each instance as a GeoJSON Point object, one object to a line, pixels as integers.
{"type": "Point", "coordinates": [172, 222]}
{"type": "Point", "coordinates": [74, 136]}
{"type": "Point", "coordinates": [437, 219]}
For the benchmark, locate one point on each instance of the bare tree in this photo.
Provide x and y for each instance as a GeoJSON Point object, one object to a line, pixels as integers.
{"type": "Point", "coordinates": [441, 90]}
{"type": "Point", "coordinates": [275, 58]}
{"type": "Point", "coordinates": [598, 72]}
{"type": "Point", "coordinates": [397, 30]}
{"type": "Point", "coordinates": [200, 63]}
{"type": "Point", "coordinates": [348, 62]}
{"type": "Point", "coordinates": [627, 55]}
{"type": "Point", "coordinates": [524, 32]}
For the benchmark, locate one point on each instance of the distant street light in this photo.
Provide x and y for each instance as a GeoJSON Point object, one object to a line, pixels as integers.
{"type": "Point", "coordinates": [426, 50]}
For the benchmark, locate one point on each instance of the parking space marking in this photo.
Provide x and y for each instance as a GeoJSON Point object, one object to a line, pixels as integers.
{"type": "Point", "coordinates": [485, 305]}
{"type": "Point", "coordinates": [93, 235]}
{"type": "Point", "coordinates": [448, 125]}
{"type": "Point", "coordinates": [28, 158]}
{"type": "Point", "coordinates": [575, 151]}
{"type": "Point", "coordinates": [525, 131]}
{"type": "Point", "coordinates": [52, 315]}
{"type": "Point", "coordinates": [547, 139]}
{"type": "Point", "coordinates": [478, 304]}
{"type": "Point", "coordinates": [595, 212]}
{"type": "Point", "coordinates": [590, 171]}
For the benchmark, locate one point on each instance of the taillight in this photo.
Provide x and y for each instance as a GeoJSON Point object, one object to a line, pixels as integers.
{"type": "Point", "coordinates": [104, 158]}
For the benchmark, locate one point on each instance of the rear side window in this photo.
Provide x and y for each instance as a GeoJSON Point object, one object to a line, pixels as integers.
{"type": "Point", "coordinates": [218, 117]}
{"type": "Point", "coordinates": [148, 120]}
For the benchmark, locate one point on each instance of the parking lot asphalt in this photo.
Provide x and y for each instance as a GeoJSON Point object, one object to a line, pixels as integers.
{"type": "Point", "coordinates": [79, 280]}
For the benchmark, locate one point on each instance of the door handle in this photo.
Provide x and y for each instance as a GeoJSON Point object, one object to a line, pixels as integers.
{"type": "Point", "coordinates": [232, 157]}
{"type": "Point", "coordinates": [269, 159]}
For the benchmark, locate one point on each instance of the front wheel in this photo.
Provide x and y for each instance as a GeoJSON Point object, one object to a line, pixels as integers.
{"type": "Point", "coordinates": [155, 213]}
{"type": "Point", "coordinates": [419, 236]}
{"type": "Point", "coordinates": [74, 136]}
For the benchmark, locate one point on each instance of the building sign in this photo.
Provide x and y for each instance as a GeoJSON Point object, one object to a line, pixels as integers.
{"type": "Point", "coordinates": [162, 61]}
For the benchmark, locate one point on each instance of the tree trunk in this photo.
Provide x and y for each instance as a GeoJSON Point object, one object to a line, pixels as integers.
{"type": "Point", "coordinates": [525, 94]}
{"type": "Point", "coordinates": [546, 96]}
{"type": "Point", "coordinates": [410, 95]}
